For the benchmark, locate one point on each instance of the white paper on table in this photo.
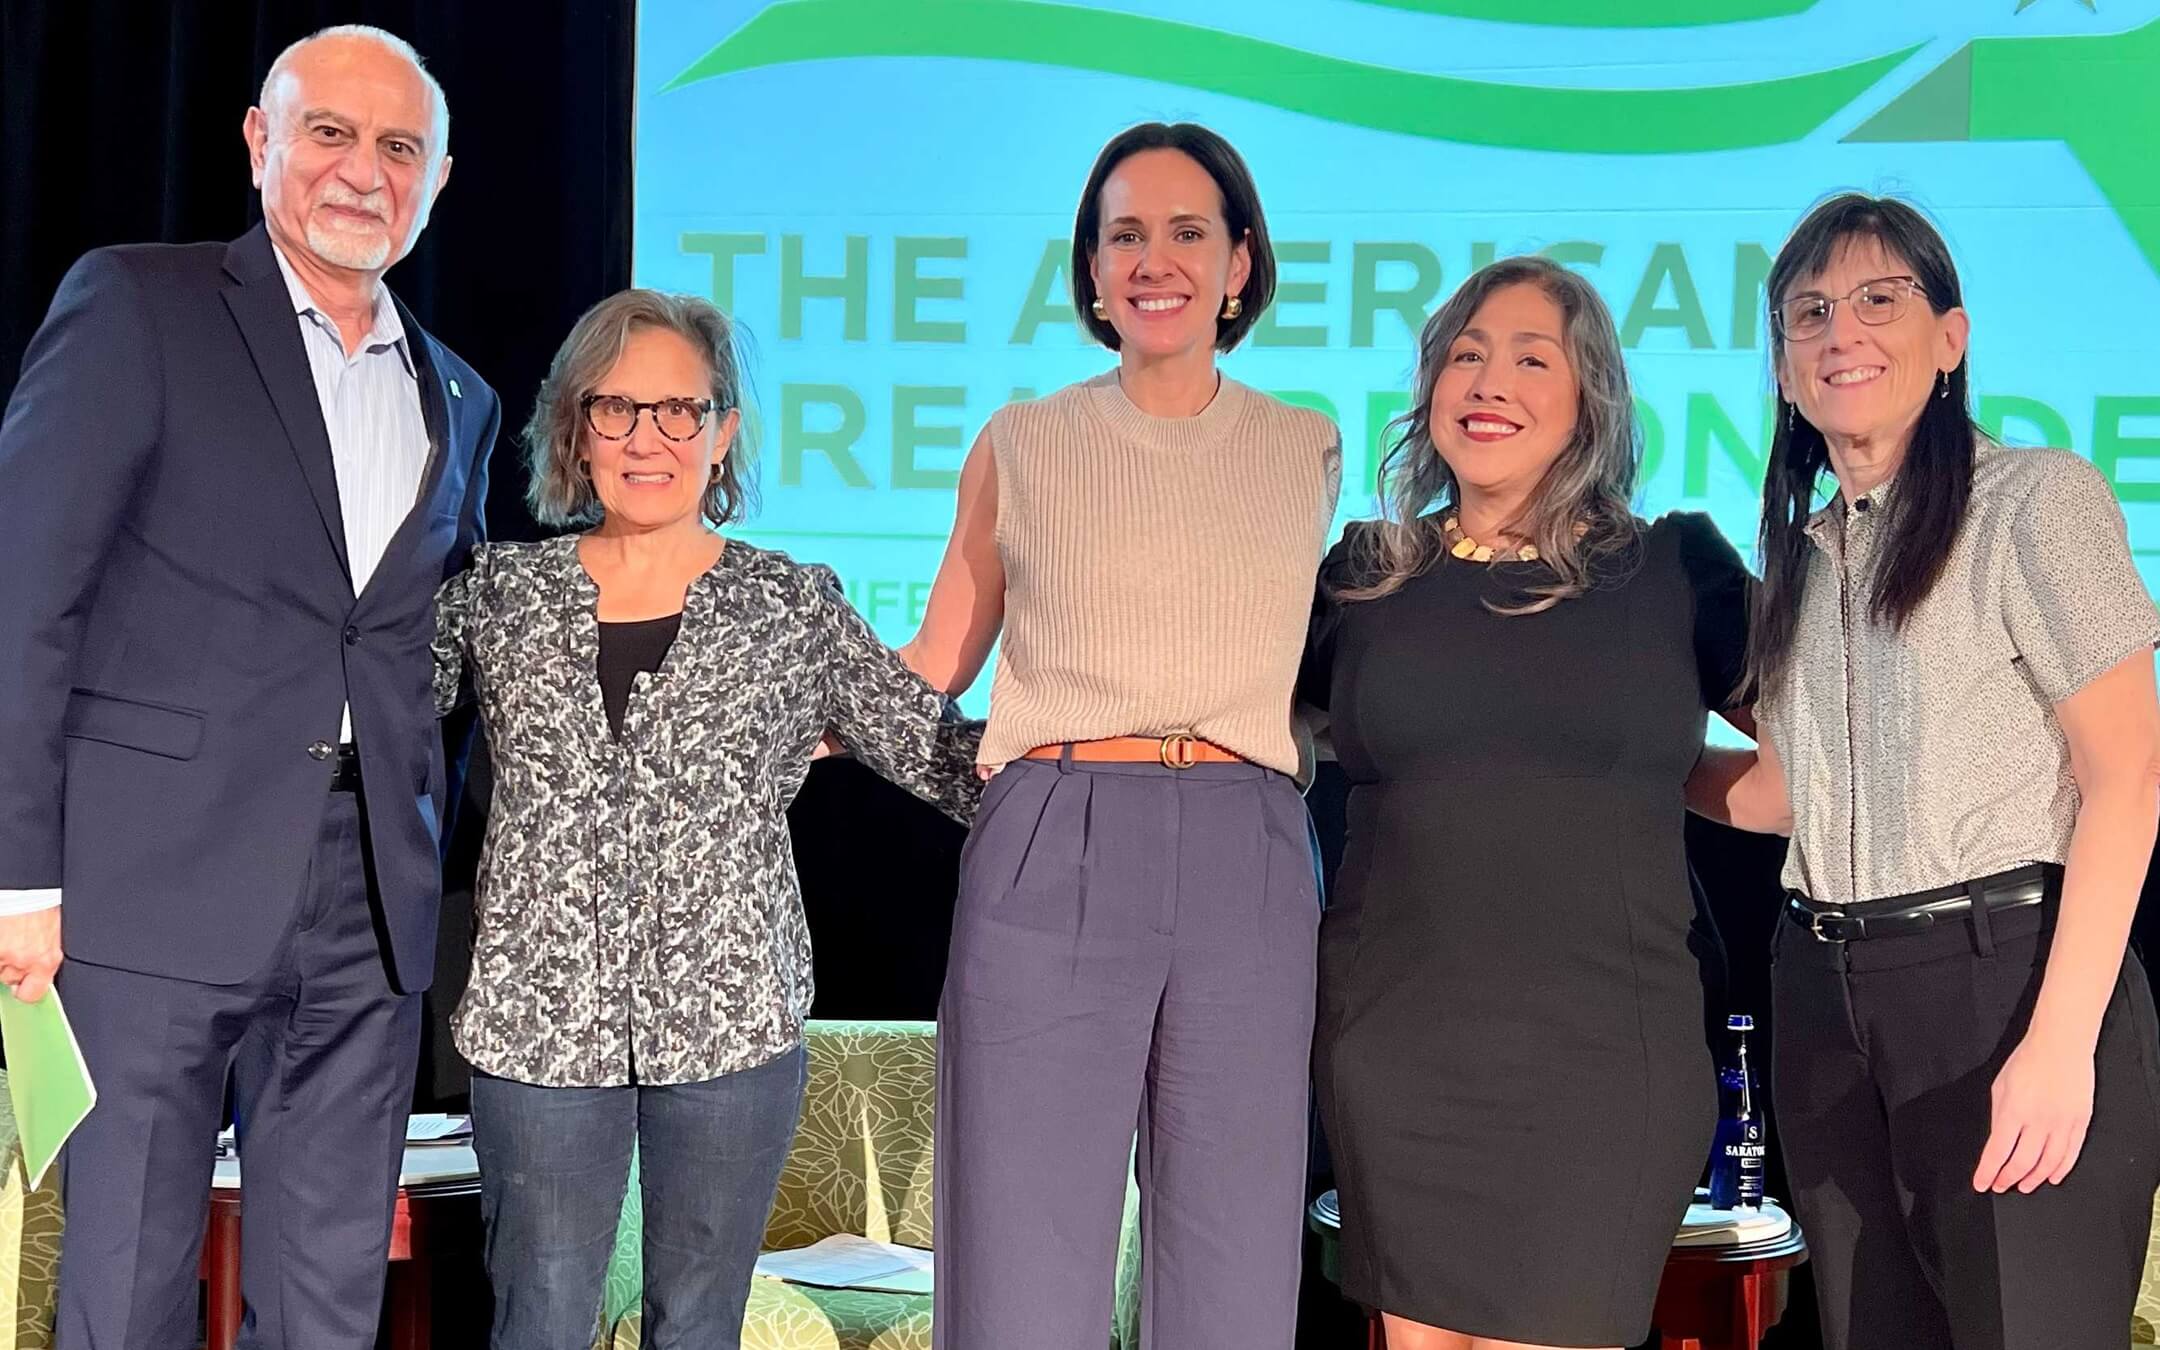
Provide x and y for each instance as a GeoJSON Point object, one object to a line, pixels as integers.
{"type": "Point", "coordinates": [433, 1127]}
{"type": "Point", "coordinates": [846, 1261]}
{"type": "Point", "coordinates": [1707, 1227]}
{"type": "Point", "coordinates": [427, 1128]}
{"type": "Point", "coordinates": [439, 1163]}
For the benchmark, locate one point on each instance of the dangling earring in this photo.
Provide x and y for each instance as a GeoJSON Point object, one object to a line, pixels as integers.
{"type": "Point", "coordinates": [1790, 423]}
{"type": "Point", "coordinates": [1233, 307]}
{"type": "Point", "coordinates": [1945, 385]}
{"type": "Point", "coordinates": [1100, 312]}
{"type": "Point", "coordinates": [584, 469]}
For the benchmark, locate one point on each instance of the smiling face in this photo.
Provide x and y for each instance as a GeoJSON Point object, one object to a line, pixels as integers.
{"type": "Point", "coordinates": [1858, 382]}
{"type": "Point", "coordinates": [1164, 261]}
{"type": "Point", "coordinates": [345, 150]}
{"type": "Point", "coordinates": [646, 479]}
{"type": "Point", "coordinates": [1505, 402]}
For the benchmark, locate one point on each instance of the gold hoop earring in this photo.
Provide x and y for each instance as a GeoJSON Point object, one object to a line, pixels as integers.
{"type": "Point", "coordinates": [1100, 312]}
{"type": "Point", "coordinates": [1233, 307]}
{"type": "Point", "coordinates": [584, 469]}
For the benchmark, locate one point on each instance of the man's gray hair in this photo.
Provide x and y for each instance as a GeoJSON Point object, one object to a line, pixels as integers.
{"type": "Point", "coordinates": [440, 139]}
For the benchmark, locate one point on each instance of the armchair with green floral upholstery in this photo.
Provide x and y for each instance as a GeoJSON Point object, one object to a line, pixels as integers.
{"type": "Point", "coordinates": [2145, 1321]}
{"type": "Point", "coordinates": [29, 1243]}
{"type": "Point", "coordinates": [861, 1164]}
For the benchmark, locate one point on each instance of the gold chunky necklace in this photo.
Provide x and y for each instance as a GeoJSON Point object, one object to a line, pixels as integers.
{"type": "Point", "coordinates": [1462, 546]}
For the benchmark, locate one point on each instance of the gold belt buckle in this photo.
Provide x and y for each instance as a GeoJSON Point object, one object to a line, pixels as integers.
{"type": "Point", "coordinates": [1176, 751]}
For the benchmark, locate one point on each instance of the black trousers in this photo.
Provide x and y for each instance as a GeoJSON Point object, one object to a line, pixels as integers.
{"type": "Point", "coordinates": [1886, 1051]}
{"type": "Point", "coordinates": [320, 1048]}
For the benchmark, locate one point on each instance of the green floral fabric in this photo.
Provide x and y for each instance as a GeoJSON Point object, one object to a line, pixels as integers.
{"type": "Point", "coordinates": [861, 1163]}
{"type": "Point", "coordinates": [2145, 1318]}
{"type": "Point", "coordinates": [29, 1243]}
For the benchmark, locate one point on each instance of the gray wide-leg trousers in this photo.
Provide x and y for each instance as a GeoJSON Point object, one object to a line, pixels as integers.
{"type": "Point", "coordinates": [1133, 947]}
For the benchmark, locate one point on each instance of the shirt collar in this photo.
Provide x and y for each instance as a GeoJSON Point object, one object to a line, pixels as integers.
{"type": "Point", "coordinates": [388, 330]}
{"type": "Point", "coordinates": [1834, 515]}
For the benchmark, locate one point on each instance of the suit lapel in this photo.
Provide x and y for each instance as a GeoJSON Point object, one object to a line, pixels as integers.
{"type": "Point", "coordinates": [263, 309]}
{"type": "Point", "coordinates": [435, 475]}
{"type": "Point", "coordinates": [434, 406]}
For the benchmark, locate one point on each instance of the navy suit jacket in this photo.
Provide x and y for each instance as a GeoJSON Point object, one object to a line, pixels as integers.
{"type": "Point", "coordinates": [178, 628]}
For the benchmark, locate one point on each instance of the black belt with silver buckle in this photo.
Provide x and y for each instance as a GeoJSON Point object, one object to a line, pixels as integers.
{"type": "Point", "coordinates": [1899, 915]}
{"type": "Point", "coordinates": [346, 776]}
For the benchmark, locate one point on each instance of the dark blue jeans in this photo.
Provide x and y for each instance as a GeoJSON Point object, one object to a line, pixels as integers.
{"type": "Point", "coordinates": [555, 1165]}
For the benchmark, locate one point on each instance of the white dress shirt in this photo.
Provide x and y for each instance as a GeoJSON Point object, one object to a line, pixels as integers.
{"type": "Point", "coordinates": [370, 403]}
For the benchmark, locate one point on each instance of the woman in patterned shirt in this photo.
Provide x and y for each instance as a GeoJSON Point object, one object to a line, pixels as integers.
{"type": "Point", "coordinates": [1954, 662]}
{"type": "Point", "coordinates": [652, 694]}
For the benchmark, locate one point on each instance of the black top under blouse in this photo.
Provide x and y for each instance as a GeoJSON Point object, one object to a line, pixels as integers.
{"type": "Point", "coordinates": [627, 650]}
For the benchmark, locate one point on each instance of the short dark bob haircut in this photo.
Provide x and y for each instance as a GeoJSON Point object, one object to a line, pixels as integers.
{"type": "Point", "coordinates": [1241, 212]}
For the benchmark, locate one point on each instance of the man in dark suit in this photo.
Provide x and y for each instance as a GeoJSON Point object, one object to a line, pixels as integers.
{"type": "Point", "coordinates": [239, 473]}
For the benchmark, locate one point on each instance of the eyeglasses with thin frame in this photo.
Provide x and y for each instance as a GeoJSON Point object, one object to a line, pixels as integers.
{"type": "Point", "coordinates": [1874, 303]}
{"type": "Point", "coordinates": [613, 417]}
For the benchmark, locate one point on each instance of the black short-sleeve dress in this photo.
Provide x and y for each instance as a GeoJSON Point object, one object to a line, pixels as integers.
{"type": "Point", "coordinates": [1510, 1051]}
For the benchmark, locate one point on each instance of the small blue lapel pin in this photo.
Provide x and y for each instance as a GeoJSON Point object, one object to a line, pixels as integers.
{"type": "Point", "coordinates": [456, 392]}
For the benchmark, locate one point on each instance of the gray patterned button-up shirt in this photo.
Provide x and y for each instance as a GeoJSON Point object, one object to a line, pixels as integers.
{"type": "Point", "coordinates": [637, 901]}
{"type": "Point", "coordinates": [1930, 756]}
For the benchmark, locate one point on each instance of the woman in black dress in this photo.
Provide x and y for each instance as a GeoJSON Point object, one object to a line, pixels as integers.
{"type": "Point", "coordinates": [1510, 1049]}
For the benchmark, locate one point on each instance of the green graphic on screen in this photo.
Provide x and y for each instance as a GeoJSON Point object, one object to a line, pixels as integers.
{"type": "Point", "coordinates": [880, 191]}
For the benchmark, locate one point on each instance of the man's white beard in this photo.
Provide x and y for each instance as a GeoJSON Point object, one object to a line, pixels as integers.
{"type": "Point", "coordinates": [360, 250]}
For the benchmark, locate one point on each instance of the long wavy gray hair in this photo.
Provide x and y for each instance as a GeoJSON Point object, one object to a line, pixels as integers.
{"type": "Point", "coordinates": [1580, 516]}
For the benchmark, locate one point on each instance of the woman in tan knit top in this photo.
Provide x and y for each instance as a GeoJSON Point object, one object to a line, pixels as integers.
{"type": "Point", "coordinates": [1135, 933]}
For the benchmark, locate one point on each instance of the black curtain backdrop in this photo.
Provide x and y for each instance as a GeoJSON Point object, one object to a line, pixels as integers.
{"type": "Point", "coordinates": [120, 121]}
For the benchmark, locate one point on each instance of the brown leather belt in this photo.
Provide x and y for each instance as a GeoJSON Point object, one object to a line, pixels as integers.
{"type": "Point", "coordinates": [1179, 750]}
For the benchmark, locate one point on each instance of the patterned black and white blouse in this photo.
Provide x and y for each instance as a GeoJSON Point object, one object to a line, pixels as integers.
{"type": "Point", "coordinates": [637, 900]}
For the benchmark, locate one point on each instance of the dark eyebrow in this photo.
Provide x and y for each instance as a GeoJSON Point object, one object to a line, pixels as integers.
{"type": "Point", "coordinates": [313, 115]}
{"type": "Point", "coordinates": [1481, 335]}
{"type": "Point", "coordinates": [1186, 219]}
{"type": "Point", "coordinates": [1871, 281]}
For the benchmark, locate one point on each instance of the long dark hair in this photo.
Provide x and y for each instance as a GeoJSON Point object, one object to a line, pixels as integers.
{"type": "Point", "coordinates": [1934, 480]}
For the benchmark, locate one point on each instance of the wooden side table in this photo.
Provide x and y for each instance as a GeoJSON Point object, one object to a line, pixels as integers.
{"type": "Point", "coordinates": [438, 1207]}
{"type": "Point", "coordinates": [1709, 1298]}
{"type": "Point", "coordinates": [1725, 1298]}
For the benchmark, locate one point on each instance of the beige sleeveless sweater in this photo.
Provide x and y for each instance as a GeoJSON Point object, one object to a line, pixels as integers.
{"type": "Point", "coordinates": [1158, 570]}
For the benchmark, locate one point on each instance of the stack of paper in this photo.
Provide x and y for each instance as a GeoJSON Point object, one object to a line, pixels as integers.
{"type": "Point", "coordinates": [1707, 1227]}
{"type": "Point", "coordinates": [845, 1261]}
{"type": "Point", "coordinates": [436, 1128]}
